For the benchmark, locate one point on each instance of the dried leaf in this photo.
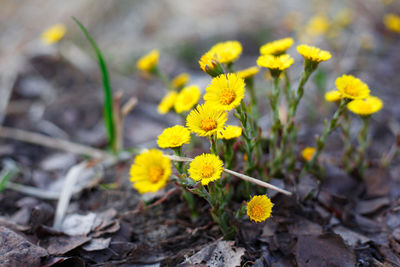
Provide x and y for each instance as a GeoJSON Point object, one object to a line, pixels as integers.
{"type": "Point", "coordinates": [323, 250]}
{"type": "Point", "coordinates": [16, 251]}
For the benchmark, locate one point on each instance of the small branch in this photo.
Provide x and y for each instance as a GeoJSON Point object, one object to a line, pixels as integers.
{"type": "Point", "coordinates": [239, 175]}
{"type": "Point", "coordinates": [39, 139]}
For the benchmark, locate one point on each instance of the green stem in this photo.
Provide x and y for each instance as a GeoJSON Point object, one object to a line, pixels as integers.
{"type": "Point", "coordinates": [213, 144]}
{"type": "Point", "coordinates": [362, 146]}
{"type": "Point", "coordinates": [348, 148]}
{"type": "Point", "coordinates": [289, 131]}
{"type": "Point", "coordinates": [275, 130]}
{"type": "Point", "coordinates": [329, 127]}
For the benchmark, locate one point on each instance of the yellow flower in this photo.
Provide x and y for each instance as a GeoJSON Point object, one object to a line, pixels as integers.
{"type": "Point", "coordinates": [174, 136]}
{"type": "Point", "coordinates": [180, 80]}
{"type": "Point", "coordinates": [313, 53]}
{"type": "Point", "coordinates": [276, 47]}
{"type": "Point", "coordinates": [167, 102]}
{"type": "Point", "coordinates": [351, 87]}
{"type": "Point", "coordinates": [206, 120]}
{"type": "Point", "coordinates": [271, 62]}
{"type": "Point", "coordinates": [230, 132]}
{"type": "Point", "coordinates": [53, 34]}
{"type": "Point", "coordinates": [206, 168]}
{"type": "Point", "coordinates": [225, 92]}
{"type": "Point", "coordinates": [227, 52]}
{"type": "Point", "coordinates": [392, 22]}
{"type": "Point", "coordinates": [187, 98]}
{"type": "Point", "coordinates": [318, 24]}
{"type": "Point", "coordinates": [150, 171]}
{"type": "Point", "coordinates": [259, 208]}
{"type": "Point", "coordinates": [209, 64]}
{"type": "Point", "coordinates": [149, 61]}
{"type": "Point", "coordinates": [366, 106]}
{"type": "Point", "coordinates": [344, 17]}
{"type": "Point", "coordinates": [333, 96]}
{"type": "Point", "coordinates": [307, 153]}
{"type": "Point", "coordinates": [248, 73]}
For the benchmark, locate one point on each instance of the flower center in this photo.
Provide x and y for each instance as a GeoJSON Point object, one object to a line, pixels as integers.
{"type": "Point", "coordinates": [155, 174]}
{"type": "Point", "coordinates": [257, 211]}
{"type": "Point", "coordinates": [175, 140]}
{"type": "Point", "coordinates": [207, 171]}
{"type": "Point", "coordinates": [208, 124]}
{"type": "Point", "coordinates": [351, 90]}
{"type": "Point", "coordinates": [227, 96]}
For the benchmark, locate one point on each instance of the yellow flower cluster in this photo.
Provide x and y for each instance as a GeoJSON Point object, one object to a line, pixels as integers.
{"type": "Point", "coordinates": [351, 87]}
{"type": "Point", "coordinates": [187, 98]}
{"type": "Point", "coordinates": [221, 53]}
{"type": "Point", "coordinates": [174, 136]}
{"type": "Point", "coordinates": [259, 208]}
{"type": "Point", "coordinates": [313, 53]}
{"type": "Point", "coordinates": [148, 62]}
{"type": "Point", "coordinates": [276, 47]}
{"type": "Point", "coordinates": [392, 22]}
{"type": "Point", "coordinates": [365, 107]}
{"type": "Point", "coordinates": [230, 132]}
{"type": "Point", "coordinates": [225, 92]}
{"type": "Point", "coordinates": [167, 102]}
{"type": "Point", "coordinates": [226, 52]}
{"type": "Point", "coordinates": [53, 34]}
{"type": "Point", "coordinates": [271, 62]}
{"type": "Point", "coordinates": [307, 153]}
{"type": "Point", "coordinates": [248, 73]}
{"type": "Point", "coordinates": [150, 171]}
{"type": "Point", "coordinates": [180, 80]}
{"type": "Point", "coordinates": [206, 168]}
{"type": "Point", "coordinates": [205, 120]}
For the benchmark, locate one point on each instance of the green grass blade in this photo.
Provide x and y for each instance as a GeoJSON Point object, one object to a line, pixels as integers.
{"type": "Point", "coordinates": [108, 100]}
{"type": "Point", "coordinates": [9, 171]}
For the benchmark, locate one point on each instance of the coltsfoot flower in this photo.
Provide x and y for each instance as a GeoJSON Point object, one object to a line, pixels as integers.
{"type": "Point", "coordinates": [230, 132]}
{"type": "Point", "coordinates": [209, 64]}
{"type": "Point", "coordinates": [180, 80]}
{"type": "Point", "coordinates": [248, 73]}
{"type": "Point", "coordinates": [392, 22]}
{"type": "Point", "coordinates": [312, 56]}
{"type": "Point", "coordinates": [259, 208]}
{"type": "Point", "coordinates": [53, 34]}
{"type": "Point", "coordinates": [227, 52]}
{"type": "Point", "coordinates": [174, 136]}
{"type": "Point", "coordinates": [333, 96]}
{"type": "Point", "coordinates": [150, 171]}
{"type": "Point", "coordinates": [307, 153]}
{"type": "Point", "coordinates": [167, 102]}
{"type": "Point", "coordinates": [351, 87]}
{"type": "Point", "coordinates": [276, 47]}
{"type": "Point", "coordinates": [205, 120]}
{"type": "Point", "coordinates": [318, 25]}
{"type": "Point", "coordinates": [149, 61]}
{"type": "Point", "coordinates": [225, 92]}
{"type": "Point", "coordinates": [365, 107]}
{"type": "Point", "coordinates": [206, 168]}
{"type": "Point", "coordinates": [276, 64]}
{"type": "Point", "coordinates": [187, 98]}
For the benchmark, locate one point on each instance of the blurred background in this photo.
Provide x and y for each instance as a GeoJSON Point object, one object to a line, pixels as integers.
{"type": "Point", "coordinates": [57, 88]}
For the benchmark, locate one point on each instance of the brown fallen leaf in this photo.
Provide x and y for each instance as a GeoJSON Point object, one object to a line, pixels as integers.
{"type": "Point", "coordinates": [323, 250]}
{"type": "Point", "coordinates": [16, 251]}
{"type": "Point", "coordinates": [59, 245]}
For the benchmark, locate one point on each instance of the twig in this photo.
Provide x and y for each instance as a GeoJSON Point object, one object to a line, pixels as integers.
{"type": "Point", "coordinates": [39, 139]}
{"type": "Point", "coordinates": [239, 175]}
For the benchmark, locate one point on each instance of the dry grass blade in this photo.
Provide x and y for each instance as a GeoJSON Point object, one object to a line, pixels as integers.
{"type": "Point", "coordinates": [39, 139]}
